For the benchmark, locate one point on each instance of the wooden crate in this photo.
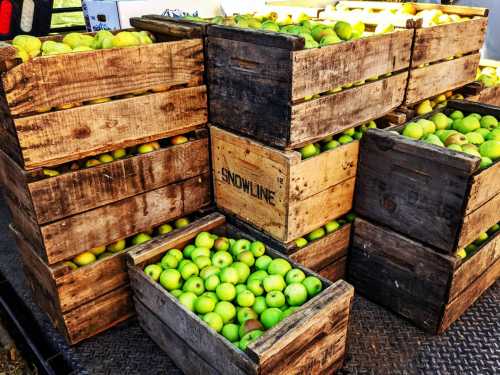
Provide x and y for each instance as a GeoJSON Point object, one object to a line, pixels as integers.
{"type": "Point", "coordinates": [83, 302]}
{"type": "Point", "coordinates": [52, 138]}
{"type": "Point", "coordinates": [326, 256]}
{"type": "Point", "coordinates": [428, 193]}
{"type": "Point", "coordinates": [476, 91]}
{"type": "Point", "coordinates": [430, 289]}
{"type": "Point", "coordinates": [312, 340]}
{"type": "Point", "coordinates": [276, 190]}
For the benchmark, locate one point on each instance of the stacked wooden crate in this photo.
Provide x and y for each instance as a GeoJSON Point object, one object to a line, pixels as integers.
{"type": "Point", "coordinates": [478, 92]}
{"type": "Point", "coordinates": [60, 208]}
{"type": "Point", "coordinates": [424, 203]}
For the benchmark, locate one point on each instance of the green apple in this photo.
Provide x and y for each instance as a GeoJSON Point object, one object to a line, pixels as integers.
{"type": "Point", "coordinates": [239, 246]}
{"type": "Point", "coordinates": [73, 267]}
{"type": "Point", "coordinates": [247, 258]}
{"type": "Point", "coordinates": [245, 298]}
{"type": "Point", "coordinates": [145, 148]}
{"type": "Point", "coordinates": [279, 266]}
{"type": "Point", "coordinates": [456, 115]}
{"type": "Point", "coordinates": [262, 262]}
{"type": "Point", "coordinates": [495, 228]}
{"type": "Point", "coordinates": [195, 285]}
{"type": "Point", "coordinates": [214, 321]}
{"type": "Point", "coordinates": [240, 288]}
{"type": "Point", "coordinates": [121, 153]}
{"type": "Point", "coordinates": [141, 238]}
{"type": "Point", "coordinates": [256, 287]}
{"type": "Point", "coordinates": [211, 295]}
{"type": "Point", "coordinates": [221, 244]}
{"type": "Point", "coordinates": [274, 282]}
{"type": "Point", "coordinates": [345, 139]}
{"type": "Point", "coordinates": [316, 234]}
{"type": "Point", "coordinates": [202, 262]}
{"type": "Point", "coordinates": [332, 226]}
{"type": "Point", "coordinates": [182, 263]}
{"type": "Point", "coordinates": [260, 304]}
{"type": "Point", "coordinates": [243, 271]}
{"type": "Point", "coordinates": [171, 279]}
{"type": "Point", "coordinates": [204, 239]}
{"type": "Point", "coordinates": [187, 300]}
{"type": "Point", "coordinates": [181, 223]}
{"type": "Point", "coordinates": [300, 242]}
{"type": "Point", "coordinates": [225, 291]}
{"type": "Point", "coordinates": [169, 261]}
{"type": "Point", "coordinates": [249, 338]}
{"type": "Point", "coordinates": [98, 250]}
{"type": "Point", "coordinates": [275, 299]}
{"type": "Point", "coordinates": [176, 293]}
{"type": "Point", "coordinates": [212, 282]}
{"type": "Point", "coordinates": [296, 294]}
{"type": "Point", "coordinates": [103, 255]}
{"type": "Point", "coordinates": [289, 311]}
{"type": "Point", "coordinates": [188, 270]}
{"type": "Point", "coordinates": [84, 259]}
{"type": "Point", "coordinates": [483, 237]}
{"type": "Point", "coordinates": [270, 317]}
{"type": "Point", "coordinates": [257, 275]}
{"type": "Point", "coordinates": [308, 151]}
{"type": "Point", "coordinates": [153, 271]}
{"type": "Point", "coordinates": [333, 144]}
{"type": "Point", "coordinates": [222, 259]}
{"type": "Point", "coordinates": [229, 275]}
{"type": "Point", "coordinates": [246, 313]}
{"type": "Point", "coordinates": [295, 275]}
{"type": "Point", "coordinates": [230, 332]}
{"type": "Point", "coordinates": [188, 251]}
{"type": "Point", "coordinates": [350, 217]}
{"type": "Point", "coordinates": [204, 305]}
{"type": "Point", "coordinates": [313, 285]}
{"type": "Point", "coordinates": [200, 252]}
{"type": "Point", "coordinates": [257, 248]}
{"type": "Point", "coordinates": [206, 272]}
{"type": "Point", "coordinates": [164, 229]}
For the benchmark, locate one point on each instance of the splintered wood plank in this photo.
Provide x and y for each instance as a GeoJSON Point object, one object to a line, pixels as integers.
{"type": "Point", "coordinates": [485, 186]}
{"type": "Point", "coordinates": [13, 180]}
{"type": "Point", "coordinates": [474, 267]}
{"type": "Point", "coordinates": [440, 42]}
{"type": "Point", "coordinates": [321, 69]}
{"type": "Point", "coordinates": [76, 77]}
{"type": "Point", "coordinates": [320, 253]}
{"type": "Point", "coordinates": [57, 137]}
{"type": "Point", "coordinates": [312, 176]}
{"type": "Point", "coordinates": [479, 221]}
{"type": "Point", "coordinates": [468, 297]}
{"type": "Point", "coordinates": [335, 271]}
{"type": "Point", "coordinates": [315, 119]}
{"type": "Point", "coordinates": [444, 76]}
{"type": "Point", "coordinates": [309, 341]}
{"type": "Point", "coordinates": [315, 211]}
{"type": "Point", "coordinates": [489, 96]}
{"type": "Point", "coordinates": [104, 225]}
{"type": "Point", "coordinates": [85, 189]}
{"type": "Point", "coordinates": [164, 25]}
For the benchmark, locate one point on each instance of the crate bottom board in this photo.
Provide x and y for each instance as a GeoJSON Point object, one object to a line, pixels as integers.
{"type": "Point", "coordinates": [89, 319]}
{"type": "Point", "coordinates": [336, 270]}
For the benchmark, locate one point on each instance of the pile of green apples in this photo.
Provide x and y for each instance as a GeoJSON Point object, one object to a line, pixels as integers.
{"type": "Point", "coordinates": [233, 286]}
{"type": "Point", "coordinates": [436, 102]}
{"type": "Point", "coordinates": [472, 134]}
{"type": "Point", "coordinates": [93, 255]}
{"type": "Point", "coordinates": [488, 76]}
{"type": "Point", "coordinates": [118, 154]}
{"type": "Point", "coordinates": [484, 237]}
{"type": "Point", "coordinates": [333, 141]}
{"type": "Point", "coordinates": [330, 227]}
{"type": "Point", "coordinates": [29, 47]}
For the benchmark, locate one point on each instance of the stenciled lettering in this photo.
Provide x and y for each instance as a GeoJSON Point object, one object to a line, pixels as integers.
{"type": "Point", "coordinates": [249, 187]}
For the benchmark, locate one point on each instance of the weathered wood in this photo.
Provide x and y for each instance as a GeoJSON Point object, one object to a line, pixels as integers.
{"type": "Point", "coordinates": [47, 81]}
{"type": "Point", "coordinates": [488, 96]}
{"type": "Point", "coordinates": [89, 130]}
{"type": "Point", "coordinates": [166, 26]}
{"type": "Point", "coordinates": [275, 190]}
{"type": "Point", "coordinates": [437, 78]}
{"type": "Point", "coordinates": [484, 187]}
{"type": "Point", "coordinates": [335, 271]}
{"type": "Point", "coordinates": [457, 307]}
{"type": "Point", "coordinates": [435, 43]}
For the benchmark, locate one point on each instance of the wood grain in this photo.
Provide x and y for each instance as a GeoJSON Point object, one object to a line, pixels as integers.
{"type": "Point", "coordinates": [58, 137]}
{"type": "Point", "coordinates": [336, 270]}
{"type": "Point", "coordinates": [489, 96]}
{"type": "Point", "coordinates": [484, 187]}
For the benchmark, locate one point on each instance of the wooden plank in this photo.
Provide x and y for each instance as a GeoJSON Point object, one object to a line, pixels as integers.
{"type": "Point", "coordinates": [444, 76]}
{"type": "Point", "coordinates": [490, 96]}
{"type": "Point", "coordinates": [484, 187]}
{"type": "Point", "coordinates": [315, 119]}
{"type": "Point", "coordinates": [310, 340]}
{"type": "Point", "coordinates": [474, 267]}
{"type": "Point", "coordinates": [320, 69]}
{"type": "Point", "coordinates": [459, 305]}
{"type": "Point", "coordinates": [321, 253]}
{"type": "Point", "coordinates": [454, 9]}
{"type": "Point", "coordinates": [479, 221]}
{"type": "Point", "coordinates": [335, 271]}
{"type": "Point", "coordinates": [82, 190]}
{"type": "Point", "coordinates": [174, 346]}
{"type": "Point", "coordinates": [47, 81]}
{"type": "Point", "coordinates": [440, 42]}
{"type": "Point", "coordinates": [7, 52]}
{"type": "Point", "coordinates": [167, 27]}
{"type": "Point", "coordinates": [89, 130]}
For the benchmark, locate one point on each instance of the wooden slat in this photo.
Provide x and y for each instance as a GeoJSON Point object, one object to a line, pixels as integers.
{"type": "Point", "coordinates": [440, 42]}
{"type": "Point", "coordinates": [320, 253]}
{"type": "Point", "coordinates": [7, 52]}
{"type": "Point", "coordinates": [444, 76]}
{"type": "Point", "coordinates": [484, 187]}
{"type": "Point", "coordinates": [321, 69]}
{"type": "Point", "coordinates": [310, 340]}
{"type": "Point", "coordinates": [454, 9]}
{"type": "Point", "coordinates": [474, 267]}
{"type": "Point", "coordinates": [49, 82]}
{"type": "Point", "coordinates": [489, 96]}
{"type": "Point", "coordinates": [79, 191]}
{"type": "Point", "coordinates": [89, 130]}
{"type": "Point", "coordinates": [167, 27]}
{"type": "Point", "coordinates": [335, 271]}
{"type": "Point", "coordinates": [70, 236]}
{"type": "Point", "coordinates": [459, 305]}
{"type": "Point", "coordinates": [480, 220]}
{"type": "Point", "coordinates": [315, 119]}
